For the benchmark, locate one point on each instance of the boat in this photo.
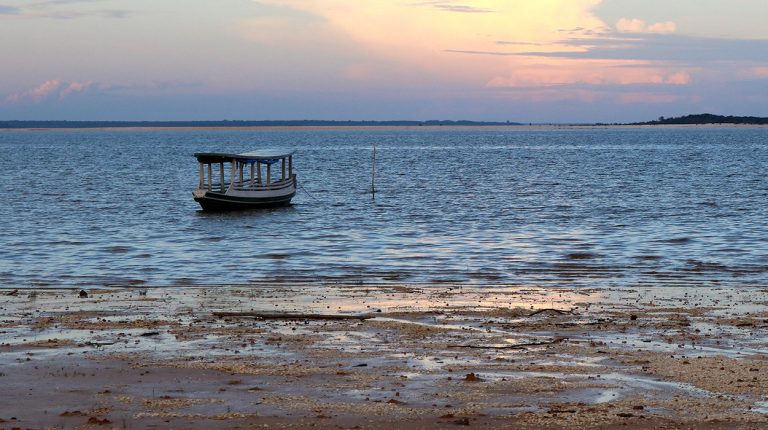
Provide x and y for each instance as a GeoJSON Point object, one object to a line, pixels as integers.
{"type": "Point", "coordinates": [257, 179]}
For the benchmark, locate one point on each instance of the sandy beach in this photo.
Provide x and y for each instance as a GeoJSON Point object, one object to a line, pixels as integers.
{"type": "Point", "coordinates": [383, 356]}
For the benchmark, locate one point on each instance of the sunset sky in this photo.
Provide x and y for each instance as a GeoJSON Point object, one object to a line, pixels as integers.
{"type": "Point", "coordinates": [516, 60]}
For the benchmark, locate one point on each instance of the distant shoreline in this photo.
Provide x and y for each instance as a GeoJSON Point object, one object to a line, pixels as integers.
{"type": "Point", "coordinates": [393, 127]}
{"type": "Point", "coordinates": [705, 120]}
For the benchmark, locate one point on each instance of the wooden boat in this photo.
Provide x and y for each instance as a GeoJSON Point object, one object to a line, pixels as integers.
{"type": "Point", "coordinates": [246, 187]}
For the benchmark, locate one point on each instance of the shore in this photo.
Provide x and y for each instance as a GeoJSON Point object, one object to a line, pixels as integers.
{"type": "Point", "coordinates": [532, 127]}
{"type": "Point", "coordinates": [384, 356]}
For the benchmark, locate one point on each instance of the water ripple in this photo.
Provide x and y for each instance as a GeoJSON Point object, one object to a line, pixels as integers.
{"type": "Point", "coordinates": [616, 208]}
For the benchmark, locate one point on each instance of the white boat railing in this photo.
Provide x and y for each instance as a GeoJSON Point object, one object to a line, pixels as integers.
{"type": "Point", "coordinates": [246, 186]}
{"type": "Point", "coordinates": [276, 185]}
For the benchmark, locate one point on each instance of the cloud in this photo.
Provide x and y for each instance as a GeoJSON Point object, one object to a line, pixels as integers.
{"type": "Point", "coordinates": [74, 87]}
{"type": "Point", "coordinates": [152, 86]}
{"type": "Point", "coordinates": [606, 95]}
{"type": "Point", "coordinates": [58, 9]}
{"type": "Point", "coordinates": [69, 14]}
{"type": "Point", "coordinates": [503, 42]}
{"type": "Point", "coordinates": [589, 73]}
{"type": "Point", "coordinates": [413, 37]}
{"type": "Point", "coordinates": [9, 10]}
{"type": "Point", "coordinates": [56, 2]}
{"type": "Point", "coordinates": [679, 78]}
{"type": "Point", "coordinates": [50, 89]}
{"type": "Point", "coordinates": [463, 9]}
{"type": "Point", "coordinates": [35, 95]}
{"type": "Point", "coordinates": [450, 6]}
{"type": "Point", "coordinates": [671, 48]}
{"type": "Point", "coordinates": [759, 72]}
{"type": "Point", "coordinates": [625, 25]}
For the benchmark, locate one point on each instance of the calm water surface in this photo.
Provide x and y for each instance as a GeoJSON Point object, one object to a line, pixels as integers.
{"type": "Point", "coordinates": [603, 208]}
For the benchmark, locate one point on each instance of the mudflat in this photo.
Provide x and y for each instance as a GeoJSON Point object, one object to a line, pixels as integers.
{"type": "Point", "coordinates": [364, 356]}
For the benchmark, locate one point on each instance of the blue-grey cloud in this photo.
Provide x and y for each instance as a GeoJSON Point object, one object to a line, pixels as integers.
{"type": "Point", "coordinates": [63, 9]}
{"type": "Point", "coordinates": [503, 42]}
{"type": "Point", "coordinates": [501, 54]}
{"type": "Point", "coordinates": [586, 32]}
{"type": "Point", "coordinates": [60, 2]}
{"type": "Point", "coordinates": [8, 10]}
{"type": "Point", "coordinates": [653, 47]}
{"type": "Point", "coordinates": [464, 9]}
{"type": "Point", "coordinates": [69, 14]}
{"type": "Point", "coordinates": [449, 6]}
{"type": "Point", "coordinates": [152, 86]}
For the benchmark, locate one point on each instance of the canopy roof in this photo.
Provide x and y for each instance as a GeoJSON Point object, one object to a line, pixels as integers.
{"type": "Point", "coordinates": [264, 154]}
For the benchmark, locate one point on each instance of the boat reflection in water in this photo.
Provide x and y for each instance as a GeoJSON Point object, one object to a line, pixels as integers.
{"type": "Point", "coordinates": [247, 186]}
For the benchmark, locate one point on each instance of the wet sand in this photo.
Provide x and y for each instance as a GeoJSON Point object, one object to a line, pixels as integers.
{"type": "Point", "coordinates": [437, 356]}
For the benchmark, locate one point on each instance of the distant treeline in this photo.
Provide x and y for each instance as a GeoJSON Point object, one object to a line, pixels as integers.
{"type": "Point", "coordinates": [707, 118]}
{"type": "Point", "coordinates": [225, 123]}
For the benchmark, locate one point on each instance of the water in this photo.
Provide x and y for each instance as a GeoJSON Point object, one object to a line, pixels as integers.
{"type": "Point", "coordinates": [574, 208]}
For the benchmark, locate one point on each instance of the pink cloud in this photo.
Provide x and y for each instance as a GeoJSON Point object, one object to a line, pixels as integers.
{"type": "Point", "coordinates": [74, 87]}
{"type": "Point", "coordinates": [48, 89]}
{"type": "Point", "coordinates": [679, 78]}
{"type": "Point", "coordinates": [593, 73]}
{"type": "Point", "coordinates": [35, 95]}
{"type": "Point", "coordinates": [756, 72]}
{"type": "Point", "coordinates": [626, 25]}
{"type": "Point", "coordinates": [591, 95]}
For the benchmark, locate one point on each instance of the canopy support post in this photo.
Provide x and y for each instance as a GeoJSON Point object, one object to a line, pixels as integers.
{"type": "Point", "coordinates": [232, 173]}
{"type": "Point", "coordinates": [221, 175]}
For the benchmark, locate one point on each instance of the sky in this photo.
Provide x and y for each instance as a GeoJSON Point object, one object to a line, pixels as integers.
{"type": "Point", "coordinates": [540, 61]}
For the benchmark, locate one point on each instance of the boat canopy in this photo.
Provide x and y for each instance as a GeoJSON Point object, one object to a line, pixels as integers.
{"type": "Point", "coordinates": [263, 155]}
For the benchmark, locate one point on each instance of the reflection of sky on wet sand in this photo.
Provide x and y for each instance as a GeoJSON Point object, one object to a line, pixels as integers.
{"type": "Point", "coordinates": [451, 307]}
{"type": "Point", "coordinates": [419, 334]}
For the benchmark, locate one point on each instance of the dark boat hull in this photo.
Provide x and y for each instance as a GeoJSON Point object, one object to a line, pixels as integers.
{"type": "Point", "coordinates": [217, 202]}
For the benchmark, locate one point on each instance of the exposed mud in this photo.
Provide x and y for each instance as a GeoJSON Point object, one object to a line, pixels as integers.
{"type": "Point", "coordinates": [431, 357]}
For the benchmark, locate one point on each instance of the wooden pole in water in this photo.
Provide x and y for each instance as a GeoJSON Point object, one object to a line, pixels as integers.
{"type": "Point", "coordinates": [210, 176]}
{"type": "Point", "coordinates": [373, 174]}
